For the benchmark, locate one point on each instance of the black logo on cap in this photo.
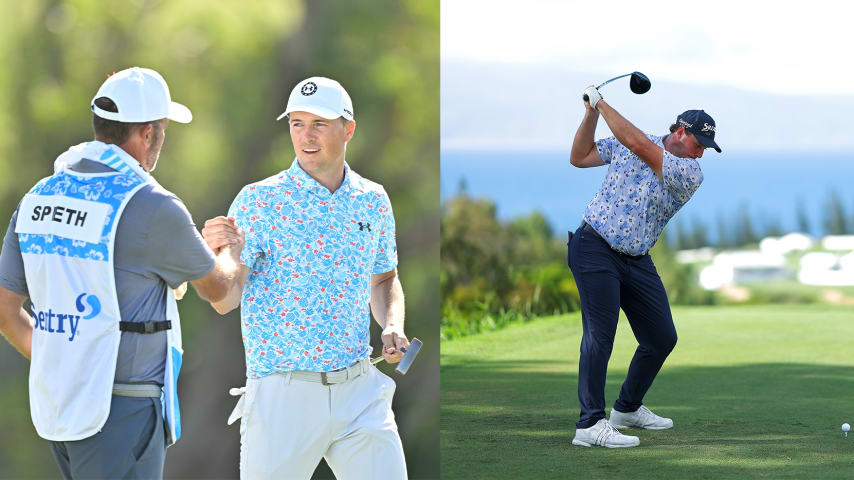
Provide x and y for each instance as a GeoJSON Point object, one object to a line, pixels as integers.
{"type": "Point", "coordinates": [308, 89]}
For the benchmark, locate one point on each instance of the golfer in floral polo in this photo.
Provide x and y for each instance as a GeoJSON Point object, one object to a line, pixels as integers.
{"type": "Point", "coordinates": [649, 179]}
{"type": "Point", "coordinates": [319, 256]}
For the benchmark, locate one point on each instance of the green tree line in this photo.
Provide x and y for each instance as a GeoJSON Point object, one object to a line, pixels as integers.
{"type": "Point", "coordinates": [739, 228]}
{"type": "Point", "coordinates": [494, 273]}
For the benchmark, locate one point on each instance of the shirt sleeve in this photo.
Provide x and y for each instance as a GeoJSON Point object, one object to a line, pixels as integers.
{"type": "Point", "coordinates": [682, 176]}
{"type": "Point", "coordinates": [386, 259]}
{"type": "Point", "coordinates": [247, 216]}
{"type": "Point", "coordinates": [12, 275]}
{"type": "Point", "coordinates": [178, 252]}
{"type": "Point", "coordinates": [607, 147]}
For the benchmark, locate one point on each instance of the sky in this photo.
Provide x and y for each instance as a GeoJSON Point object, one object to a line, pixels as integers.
{"type": "Point", "coordinates": [764, 46]}
{"type": "Point", "coordinates": [774, 77]}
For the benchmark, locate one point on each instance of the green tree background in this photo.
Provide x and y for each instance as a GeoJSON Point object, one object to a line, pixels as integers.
{"type": "Point", "coordinates": [234, 65]}
{"type": "Point", "coordinates": [497, 272]}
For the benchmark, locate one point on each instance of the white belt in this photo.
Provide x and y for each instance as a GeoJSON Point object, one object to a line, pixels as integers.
{"type": "Point", "coordinates": [336, 376]}
{"type": "Point", "coordinates": [143, 390]}
{"type": "Point", "coordinates": [326, 378]}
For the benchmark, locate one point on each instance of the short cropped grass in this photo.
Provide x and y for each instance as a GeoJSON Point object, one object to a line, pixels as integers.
{"type": "Point", "coordinates": [755, 392]}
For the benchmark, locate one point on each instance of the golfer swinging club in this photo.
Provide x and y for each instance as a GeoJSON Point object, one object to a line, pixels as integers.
{"type": "Point", "coordinates": [319, 255]}
{"type": "Point", "coordinates": [649, 179]}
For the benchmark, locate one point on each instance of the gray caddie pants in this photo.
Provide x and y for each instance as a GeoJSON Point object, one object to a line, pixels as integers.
{"type": "Point", "coordinates": [131, 445]}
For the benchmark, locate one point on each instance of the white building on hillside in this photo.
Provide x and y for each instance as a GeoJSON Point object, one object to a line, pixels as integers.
{"type": "Point", "coordinates": [838, 242]}
{"type": "Point", "coordinates": [827, 269]}
{"type": "Point", "coordinates": [792, 242]}
{"type": "Point", "coordinates": [834, 267]}
{"type": "Point", "coordinates": [743, 267]}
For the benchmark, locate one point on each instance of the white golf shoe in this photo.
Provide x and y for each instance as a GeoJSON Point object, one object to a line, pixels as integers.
{"type": "Point", "coordinates": [603, 434]}
{"type": "Point", "coordinates": [642, 418]}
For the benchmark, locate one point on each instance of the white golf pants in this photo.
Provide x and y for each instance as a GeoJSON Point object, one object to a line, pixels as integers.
{"type": "Point", "coordinates": [289, 424]}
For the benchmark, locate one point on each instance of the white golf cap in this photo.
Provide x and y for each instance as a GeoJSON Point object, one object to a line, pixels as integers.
{"type": "Point", "coordinates": [321, 96]}
{"type": "Point", "coordinates": [141, 95]}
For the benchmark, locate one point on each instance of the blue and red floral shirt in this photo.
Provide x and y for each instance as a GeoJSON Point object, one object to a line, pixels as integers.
{"type": "Point", "coordinates": [633, 205]}
{"type": "Point", "coordinates": [311, 254]}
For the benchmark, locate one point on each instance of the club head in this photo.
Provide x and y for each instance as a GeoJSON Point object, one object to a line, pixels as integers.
{"type": "Point", "coordinates": [409, 356]}
{"type": "Point", "coordinates": [639, 83]}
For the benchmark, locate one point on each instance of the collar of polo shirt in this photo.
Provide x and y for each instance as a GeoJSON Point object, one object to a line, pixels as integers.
{"type": "Point", "coordinates": [315, 186]}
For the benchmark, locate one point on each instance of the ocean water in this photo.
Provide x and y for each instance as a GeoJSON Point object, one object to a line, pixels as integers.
{"type": "Point", "coordinates": [768, 186]}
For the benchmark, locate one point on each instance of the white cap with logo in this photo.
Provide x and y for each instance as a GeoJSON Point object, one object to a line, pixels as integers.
{"type": "Point", "coordinates": [141, 95]}
{"type": "Point", "coordinates": [321, 96]}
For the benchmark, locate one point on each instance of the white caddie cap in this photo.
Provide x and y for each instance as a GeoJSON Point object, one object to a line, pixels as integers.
{"type": "Point", "coordinates": [321, 96]}
{"type": "Point", "coordinates": [141, 95]}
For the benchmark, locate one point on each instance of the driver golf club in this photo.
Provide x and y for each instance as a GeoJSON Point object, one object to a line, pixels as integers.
{"type": "Point", "coordinates": [408, 356]}
{"type": "Point", "coordinates": [639, 83]}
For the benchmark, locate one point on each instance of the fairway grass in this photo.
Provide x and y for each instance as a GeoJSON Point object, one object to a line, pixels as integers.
{"type": "Point", "coordinates": [754, 392]}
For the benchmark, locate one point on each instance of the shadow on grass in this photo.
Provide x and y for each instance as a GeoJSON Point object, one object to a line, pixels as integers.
{"type": "Point", "coordinates": [514, 420]}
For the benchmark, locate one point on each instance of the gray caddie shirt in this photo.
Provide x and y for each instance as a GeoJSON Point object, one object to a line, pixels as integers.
{"type": "Point", "coordinates": [156, 244]}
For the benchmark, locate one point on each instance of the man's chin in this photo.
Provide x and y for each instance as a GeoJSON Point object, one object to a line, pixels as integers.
{"type": "Point", "coordinates": [308, 162]}
{"type": "Point", "coordinates": [154, 163]}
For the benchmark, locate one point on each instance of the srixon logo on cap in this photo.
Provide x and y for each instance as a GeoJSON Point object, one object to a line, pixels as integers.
{"type": "Point", "coordinates": [67, 323]}
{"type": "Point", "coordinates": [708, 128]}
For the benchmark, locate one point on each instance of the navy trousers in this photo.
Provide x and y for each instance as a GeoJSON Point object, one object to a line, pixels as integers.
{"type": "Point", "coordinates": [608, 281]}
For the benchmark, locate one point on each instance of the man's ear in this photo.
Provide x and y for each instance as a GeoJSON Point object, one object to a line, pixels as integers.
{"type": "Point", "coordinates": [351, 128]}
{"type": "Point", "coordinates": [147, 133]}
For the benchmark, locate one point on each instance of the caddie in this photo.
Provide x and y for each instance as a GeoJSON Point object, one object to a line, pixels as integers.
{"type": "Point", "coordinates": [320, 257]}
{"type": "Point", "coordinates": [649, 179]}
{"type": "Point", "coordinates": [99, 247]}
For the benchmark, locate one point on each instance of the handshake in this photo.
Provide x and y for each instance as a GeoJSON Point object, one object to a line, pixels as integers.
{"type": "Point", "coordinates": [592, 96]}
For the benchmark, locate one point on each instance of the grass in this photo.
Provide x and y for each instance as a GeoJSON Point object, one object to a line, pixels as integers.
{"type": "Point", "coordinates": [755, 392]}
{"type": "Point", "coordinates": [795, 292]}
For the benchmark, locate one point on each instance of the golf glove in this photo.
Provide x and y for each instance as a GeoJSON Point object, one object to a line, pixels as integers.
{"type": "Point", "coordinates": [592, 96]}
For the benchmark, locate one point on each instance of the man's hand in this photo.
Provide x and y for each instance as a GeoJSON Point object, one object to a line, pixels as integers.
{"type": "Point", "coordinates": [180, 291]}
{"type": "Point", "coordinates": [224, 283]}
{"type": "Point", "coordinates": [220, 232]}
{"type": "Point", "coordinates": [15, 323]}
{"type": "Point", "coordinates": [591, 96]}
{"type": "Point", "coordinates": [393, 340]}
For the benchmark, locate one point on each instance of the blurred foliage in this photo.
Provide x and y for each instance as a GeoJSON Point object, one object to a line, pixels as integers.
{"type": "Point", "coordinates": [836, 222]}
{"type": "Point", "coordinates": [234, 66]}
{"type": "Point", "coordinates": [494, 274]}
{"type": "Point", "coordinates": [680, 280]}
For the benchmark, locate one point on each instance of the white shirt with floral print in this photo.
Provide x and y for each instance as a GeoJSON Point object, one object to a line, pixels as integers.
{"type": "Point", "coordinates": [311, 254]}
{"type": "Point", "coordinates": [633, 205]}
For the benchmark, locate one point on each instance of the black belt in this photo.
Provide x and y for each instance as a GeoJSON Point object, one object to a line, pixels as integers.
{"type": "Point", "coordinates": [586, 226]}
{"type": "Point", "coordinates": [145, 327]}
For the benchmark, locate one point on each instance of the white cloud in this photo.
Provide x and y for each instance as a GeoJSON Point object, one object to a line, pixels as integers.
{"type": "Point", "coordinates": [777, 47]}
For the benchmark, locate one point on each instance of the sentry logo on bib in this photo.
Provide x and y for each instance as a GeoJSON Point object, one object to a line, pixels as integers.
{"type": "Point", "coordinates": [87, 306]}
